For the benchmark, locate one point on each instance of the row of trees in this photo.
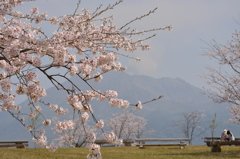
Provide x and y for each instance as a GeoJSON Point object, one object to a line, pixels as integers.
{"type": "Point", "coordinates": [127, 125]}
{"type": "Point", "coordinates": [124, 125]}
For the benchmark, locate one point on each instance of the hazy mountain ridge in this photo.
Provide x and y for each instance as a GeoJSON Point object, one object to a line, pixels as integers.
{"type": "Point", "coordinates": [174, 89]}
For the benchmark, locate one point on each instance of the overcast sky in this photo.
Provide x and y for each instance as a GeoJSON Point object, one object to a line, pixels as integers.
{"type": "Point", "coordinates": [173, 54]}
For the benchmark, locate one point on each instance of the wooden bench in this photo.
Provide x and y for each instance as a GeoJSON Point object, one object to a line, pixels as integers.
{"type": "Point", "coordinates": [17, 144]}
{"type": "Point", "coordinates": [126, 142]}
{"type": "Point", "coordinates": [145, 142]}
{"type": "Point", "coordinates": [215, 143]}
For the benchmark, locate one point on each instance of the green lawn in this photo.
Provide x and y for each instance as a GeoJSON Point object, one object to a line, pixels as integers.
{"type": "Point", "coordinates": [124, 153]}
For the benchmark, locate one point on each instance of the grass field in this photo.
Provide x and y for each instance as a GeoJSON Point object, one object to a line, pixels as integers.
{"type": "Point", "coordinates": [124, 153]}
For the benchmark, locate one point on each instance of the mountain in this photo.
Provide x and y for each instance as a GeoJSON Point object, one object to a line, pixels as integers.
{"type": "Point", "coordinates": [179, 97]}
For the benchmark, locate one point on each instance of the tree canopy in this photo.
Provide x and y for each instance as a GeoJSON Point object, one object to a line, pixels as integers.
{"type": "Point", "coordinates": [84, 45]}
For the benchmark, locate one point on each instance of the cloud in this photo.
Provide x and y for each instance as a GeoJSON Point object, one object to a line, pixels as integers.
{"type": "Point", "coordinates": [149, 64]}
{"type": "Point", "coordinates": [177, 53]}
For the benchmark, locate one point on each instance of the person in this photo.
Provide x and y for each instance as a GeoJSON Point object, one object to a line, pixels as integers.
{"type": "Point", "coordinates": [224, 135]}
{"type": "Point", "coordinates": [230, 136]}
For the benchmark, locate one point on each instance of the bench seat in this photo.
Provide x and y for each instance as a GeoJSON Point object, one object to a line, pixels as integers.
{"type": "Point", "coordinates": [222, 143]}
{"type": "Point", "coordinates": [17, 144]}
{"type": "Point", "coordinates": [215, 143]}
{"type": "Point", "coordinates": [126, 142]}
{"type": "Point", "coordinates": [181, 145]}
{"type": "Point", "coordinates": [142, 143]}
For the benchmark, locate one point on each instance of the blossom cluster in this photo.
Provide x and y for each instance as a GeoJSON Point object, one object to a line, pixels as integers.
{"type": "Point", "coordinates": [52, 147]}
{"type": "Point", "coordinates": [32, 90]}
{"type": "Point", "coordinates": [235, 112]}
{"type": "Point", "coordinates": [30, 76]}
{"type": "Point", "coordinates": [139, 105]}
{"type": "Point", "coordinates": [100, 124]}
{"type": "Point", "coordinates": [8, 102]}
{"type": "Point", "coordinates": [47, 122]}
{"type": "Point", "coordinates": [112, 138]}
{"type": "Point", "coordinates": [41, 140]}
{"type": "Point", "coordinates": [119, 102]}
{"type": "Point", "coordinates": [65, 125]}
{"type": "Point", "coordinates": [84, 117]}
{"type": "Point", "coordinates": [94, 152]}
{"type": "Point", "coordinates": [76, 101]}
{"type": "Point", "coordinates": [58, 110]}
{"type": "Point", "coordinates": [91, 137]}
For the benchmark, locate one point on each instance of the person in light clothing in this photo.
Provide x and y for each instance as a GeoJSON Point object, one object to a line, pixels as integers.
{"type": "Point", "coordinates": [224, 135]}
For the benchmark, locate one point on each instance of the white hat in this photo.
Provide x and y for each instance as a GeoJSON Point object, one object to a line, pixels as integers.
{"type": "Point", "coordinates": [225, 130]}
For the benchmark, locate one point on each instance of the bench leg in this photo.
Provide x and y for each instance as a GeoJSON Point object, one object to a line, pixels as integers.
{"type": "Point", "coordinates": [181, 144]}
{"type": "Point", "coordinates": [20, 147]}
{"type": "Point", "coordinates": [216, 148]}
{"type": "Point", "coordinates": [127, 144]}
{"type": "Point", "coordinates": [141, 146]}
{"type": "Point", "coordinates": [181, 147]}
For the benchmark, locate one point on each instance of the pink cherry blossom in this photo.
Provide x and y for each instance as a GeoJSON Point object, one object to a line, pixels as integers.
{"type": "Point", "coordinates": [112, 138]}
{"type": "Point", "coordinates": [84, 116]}
{"type": "Point", "coordinates": [38, 108]}
{"type": "Point", "coordinates": [94, 152]}
{"type": "Point", "coordinates": [65, 125]}
{"type": "Point", "coordinates": [52, 147]}
{"type": "Point", "coordinates": [30, 76]}
{"type": "Point", "coordinates": [97, 77]}
{"type": "Point", "coordinates": [47, 122]}
{"type": "Point", "coordinates": [91, 137]}
{"type": "Point", "coordinates": [29, 128]}
{"type": "Point", "coordinates": [100, 124]}
{"type": "Point", "coordinates": [61, 111]}
{"type": "Point", "coordinates": [111, 94]}
{"type": "Point", "coordinates": [41, 141]}
{"type": "Point", "coordinates": [53, 106]}
{"type": "Point", "coordinates": [101, 97]}
{"type": "Point", "coordinates": [32, 115]}
{"type": "Point", "coordinates": [3, 64]}
{"type": "Point", "coordinates": [139, 105]}
{"type": "Point", "coordinates": [6, 84]}
{"type": "Point", "coordinates": [34, 10]}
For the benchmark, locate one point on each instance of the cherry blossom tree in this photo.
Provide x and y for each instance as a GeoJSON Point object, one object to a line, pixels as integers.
{"type": "Point", "coordinates": [83, 45]}
{"type": "Point", "coordinates": [127, 125]}
{"type": "Point", "coordinates": [75, 137]}
{"type": "Point", "coordinates": [224, 78]}
{"type": "Point", "coordinates": [189, 124]}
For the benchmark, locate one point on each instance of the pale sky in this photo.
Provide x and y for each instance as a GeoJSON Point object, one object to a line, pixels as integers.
{"type": "Point", "coordinates": [173, 54]}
